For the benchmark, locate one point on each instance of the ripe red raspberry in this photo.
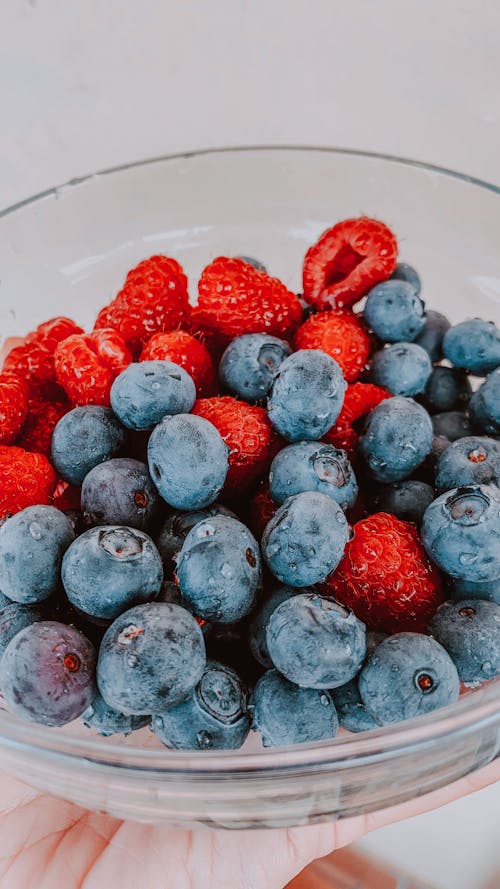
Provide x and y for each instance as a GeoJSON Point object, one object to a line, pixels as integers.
{"type": "Point", "coordinates": [43, 417]}
{"type": "Point", "coordinates": [66, 496]}
{"type": "Point", "coordinates": [386, 577]}
{"type": "Point", "coordinates": [262, 509]}
{"type": "Point", "coordinates": [87, 365]}
{"type": "Point", "coordinates": [33, 359]}
{"type": "Point", "coordinates": [154, 299]}
{"type": "Point", "coordinates": [347, 261]}
{"type": "Point", "coordinates": [235, 298]}
{"type": "Point", "coordinates": [14, 395]}
{"type": "Point", "coordinates": [247, 431]}
{"type": "Point", "coordinates": [25, 480]}
{"type": "Point", "coordinates": [340, 334]}
{"type": "Point", "coordinates": [359, 400]}
{"type": "Point", "coordinates": [184, 349]}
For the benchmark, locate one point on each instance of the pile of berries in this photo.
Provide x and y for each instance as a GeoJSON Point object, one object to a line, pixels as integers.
{"type": "Point", "coordinates": [259, 512]}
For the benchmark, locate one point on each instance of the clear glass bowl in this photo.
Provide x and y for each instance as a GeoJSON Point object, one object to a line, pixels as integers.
{"type": "Point", "coordinates": [67, 251]}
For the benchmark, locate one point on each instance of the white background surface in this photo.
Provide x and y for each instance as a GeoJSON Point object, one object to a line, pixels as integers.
{"type": "Point", "coordinates": [88, 84]}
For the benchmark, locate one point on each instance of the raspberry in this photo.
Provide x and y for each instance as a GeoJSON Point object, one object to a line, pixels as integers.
{"type": "Point", "coordinates": [66, 496]}
{"type": "Point", "coordinates": [25, 480]}
{"type": "Point", "coordinates": [235, 298]}
{"type": "Point", "coordinates": [340, 334]}
{"type": "Point", "coordinates": [33, 359]}
{"type": "Point", "coordinates": [43, 417]}
{"type": "Point", "coordinates": [247, 431]}
{"type": "Point", "coordinates": [347, 261]}
{"type": "Point", "coordinates": [262, 509]}
{"type": "Point", "coordinates": [154, 299]}
{"type": "Point", "coordinates": [359, 400]}
{"type": "Point", "coordinates": [87, 365]}
{"type": "Point", "coordinates": [14, 395]}
{"type": "Point", "coordinates": [386, 577]}
{"type": "Point", "coordinates": [184, 349]}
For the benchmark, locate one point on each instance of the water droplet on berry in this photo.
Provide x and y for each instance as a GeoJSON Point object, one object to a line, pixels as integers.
{"type": "Point", "coordinates": [467, 558]}
{"type": "Point", "coordinates": [204, 740]}
{"type": "Point", "coordinates": [155, 386]}
{"type": "Point", "coordinates": [226, 570]}
{"type": "Point", "coordinates": [323, 699]}
{"type": "Point", "coordinates": [395, 668]}
{"type": "Point", "coordinates": [487, 667]}
{"type": "Point", "coordinates": [35, 531]}
{"type": "Point", "coordinates": [132, 660]}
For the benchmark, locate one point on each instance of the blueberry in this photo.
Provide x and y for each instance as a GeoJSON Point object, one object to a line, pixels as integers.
{"type": "Point", "coordinates": [407, 675]}
{"type": "Point", "coordinates": [32, 545]}
{"type": "Point", "coordinates": [177, 526]}
{"type": "Point", "coordinates": [407, 500]}
{"type": "Point", "coordinates": [405, 272]}
{"type": "Point", "coordinates": [447, 389]}
{"type": "Point", "coordinates": [107, 570]}
{"type": "Point", "coordinates": [316, 642]}
{"type": "Point", "coordinates": [219, 569]}
{"type": "Point", "coordinates": [4, 600]}
{"type": "Point", "coordinates": [215, 717]}
{"type": "Point", "coordinates": [397, 439]}
{"type": "Point", "coordinates": [108, 721]}
{"type": "Point", "coordinates": [485, 404]}
{"type": "Point", "coordinates": [256, 263]}
{"type": "Point", "coordinates": [13, 619]}
{"type": "Point", "coordinates": [47, 673]}
{"type": "Point", "coordinates": [394, 311]}
{"type": "Point", "coordinates": [286, 714]}
{"type": "Point", "coordinates": [352, 713]}
{"type": "Point", "coordinates": [306, 396]}
{"type": "Point", "coordinates": [83, 438]}
{"type": "Point", "coordinates": [403, 368]}
{"type": "Point", "coordinates": [470, 632]}
{"type": "Point", "coordinates": [461, 532]}
{"type": "Point", "coordinates": [250, 363]}
{"type": "Point", "coordinates": [188, 461]}
{"type": "Point", "coordinates": [151, 658]}
{"type": "Point", "coordinates": [468, 461]}
{"type": "Point", "coordinates": [312, 466]}
{"type": "Point", "coordinates": [472, 589]}
{"type": "Point", "coordinates": [121, 492]}
{"type": "Point", "coordinates": [144, 393]}
{"type": "Point", "coordinates": [474, 346]}
{"type": "Point", "coordinates": [431, 338]}
{"type": "Point", "coordinates": [258, 626]}
{"type": "Point", "coordinates": [451, 425]}
{"type": "Point", "coordinates": [305, 540]}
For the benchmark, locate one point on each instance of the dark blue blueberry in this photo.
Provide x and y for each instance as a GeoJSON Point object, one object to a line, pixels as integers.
{"type": "Point", "coordinates": [472, 589]}
{"type": "Point", "coordinates": [431, 338]}
{"type": "Point", "coordinates": [177, 526]}
{"type": "Point", "coordinates": [188, 461]}
{"type": "Point", "coordinates": [470, 632]}
{"type": "Point", "coordinates": [47, 673]}
{"type": "Point", "coordinates": [474, 460]}
{"type": "Point", "coordinates": [473, 345]}
{"type": "Point", "coordinates": [485, 404]}
{"type": "Point", "coordinates": [219, 569]}
{"type": "Point", "coordinates": [215, 717]}
{"type": "Point", "coordinates": [403, 368]}
{"type": "Point", "coordinates": [83, 438]}
{"type": "Point", "coordinates": [107, 570]}
{"type": "Point", "coordinates": [461, 532]}
{"type": "Point", "coordinates": [407, 500]}
{"type": "Point", "coordinates": [32, 545]}
{"type": "Point", "coordinates": [405, 272]}
{"type": "Point", "coordinates": [352, 713]}
{"type": "Point", "coordinates": [258, 626]}
{"type": "Point", "coordinates": [397, 439]}
{"type": "Point", "coordinates": [150, 659]}
{"type": "Point", "coordinates": [407, 675]}
{"type": "Point", "coordinates": [286, 714]}
{"type": "Point", "coordinates": [121, 492]}
{"type": "Point", "coordinates": [451, 425]}
{"type": "Point", "coordinates": [256, 263]}
{"type": "Point", "coordinates": [312, 466]}
{"type": "Point", "coordinates": [316, 642]}
{"type": "Point", "coordinates": [13, 619]}
{"type": "Point", "coordinates": [250, 364]}
{"type": "Point", "coordinates": [305, 540]}
{"type": "Point", "coordinates": [447, 389]}
{"type": "Point", "coordinates": [144, 393]}
{"type": "Point", "coordinates": [306, 396]}
{"type": "Point", "coordinates": [394, 311]}
{"type": "Point", "coordinates": [108, 721]}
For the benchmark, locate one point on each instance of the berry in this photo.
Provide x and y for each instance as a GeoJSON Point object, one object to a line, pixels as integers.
{"type": "Point", "coordinates": [405, 272]}
{"type": "Point", "coordinates": [87, 364]}
{"type": "Point", "coordinates": [397, 439]}
{"type": "Point", "coordinates": [315, 642]}
{"type": "Point", "coordinates": [407, 500]}
{"type": "Point", "coordinates": [47, 673]}
{"type": "Point", "coordinates": [472, 589]}
{"type": "Point", "coordinates": [107, 570]}
{"type": "Point", "coordinates": [386, 577]}
{"type": "Point", "coordinates": [312, 466]}
{"type": "Point", "coordinates": [250, 363]}
{"type": "Point", "coordinates": [83, 438]}
{"type": "Point", "coordinates": [150, 659]}
{"type": "Point", "coordinates": [403, 368]}
{"type": "Point", "coordinates": [185, 350]}
{"type": "Point", "coordinates": [346, 261]}
{"type": "Point", "coordinates": [394, 311]}
{"type": "Point", "coordinates": [461, 532]}
{"type": "Point", "coordinates": [359, 400]}
{"type": "Point", "coordinates": [470, 632]}
{"type": "Point", "coordinates": [342, 335]}
{"type": "Point", "coordinates": [14, 618]}
{"type": "Point", "coordinates": [258, 626]}
{"type": "Point", "coordinates": [468, 461]}
{"type": "Point", "coordinates": [33, 359]}
{"type": "Point", "coordinates": [485, 404]}
{"type": "Point", "coordinates": [473, 345]}
{"type": "Point", "coordinates": [120, 492]}
{"type": "Point", "coordinates": [108, 721]}
{"type": "Point", "coordinates": [145, 393]}
{"type": "Point", "coordinates": [306, 396]}
{"type": "Point", "coordinates": [286, 714]}
{"type": "Point", "coordinates": [407, 675]}
{"type": "Point", "coordinates": [251, 440]}
{"type": "Point", "coordinates": [447, 389]}
{"type": "Point", "coordinates": [305, 539]}
{"type": "Point", "coordinates": [431, 338]}
{"type": "Point", "coordinates": [43, 417]}
{"type": "Point", "coordinates": [25, 480]}
{"type": "Point", "coordinates": [215, 717]}
{"type": "Point", "coordinates": [352, 713]}
{"type": "Point", "coordinates": [188, 461]}
{"type": "Point", "coordinates": [235, 298]}
{"type": "Point", "coordinates": [14, 396]}
{"type": "Point", "coordinates": [451, 425]}
{"type": "Point", "coordinates": [177, 526]}
{"type": "Point", "coordinates": [32, 545]}
{"type": "Point", "coordinates": [219, 569]}
{"type": "Point", "coordinates": [262, 509]}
